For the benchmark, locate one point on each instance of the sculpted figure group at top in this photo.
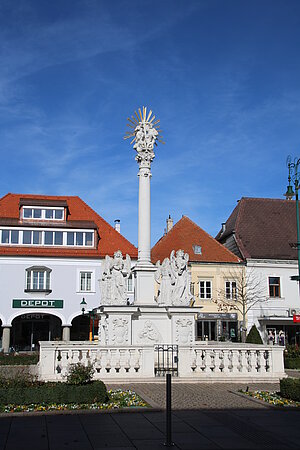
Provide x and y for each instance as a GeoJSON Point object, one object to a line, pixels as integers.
{"type": "Point", "coordinates": [115, 272]}
{"type": "Point", "coordinates": [174, 280]}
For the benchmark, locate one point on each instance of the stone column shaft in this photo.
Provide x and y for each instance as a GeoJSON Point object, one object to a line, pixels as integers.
{"type": "Point", "coordinates": [66, 333]}
{"type": "Point", "coordinates": [6, 339]}
{"type": "Point", "coordinates": [144, 227]}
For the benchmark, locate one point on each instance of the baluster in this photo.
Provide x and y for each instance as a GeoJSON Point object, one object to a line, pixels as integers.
{"type": "Point", "coordinates": [127, 361]}
{"type": "Point", "coordinates": [220, 365]}
{"type": "Point", "coordinates": [204, 366]}
{"type": "Point", "coordinates": [267, 364]}
{"type": "Point", "coordinates": [137, 360]}
{"type": "Point", "coordinates": [230, 360]}
{"type": "Point", "coordinates": [212, 365]}
{"type": "Point", "coordinates": [235, 361]}
{"type": "Point", "coordinates": [258, 361]}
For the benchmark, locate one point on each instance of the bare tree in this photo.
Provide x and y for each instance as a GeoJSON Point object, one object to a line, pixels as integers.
{"type": "Point", "coordinates": [243, 289]}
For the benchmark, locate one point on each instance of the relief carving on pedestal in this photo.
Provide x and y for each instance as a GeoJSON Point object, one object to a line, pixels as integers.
{"type": "Point", "coordinates": [120, 330]}
{"type": "Point", "coordinates": [149, 333]}
{"type": "Point", "coordinates": [184, 331]}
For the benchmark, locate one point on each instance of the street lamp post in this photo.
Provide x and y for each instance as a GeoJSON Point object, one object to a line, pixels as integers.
{"type": "Point", "coordinates": [92, 316]}
{"type": "Point", "coordinates": [294, 177]}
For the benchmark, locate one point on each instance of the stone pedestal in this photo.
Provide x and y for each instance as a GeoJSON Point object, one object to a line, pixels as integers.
{"type": "Point", "coordinates": [144, 284]}
{"type": "Point", "coordinates": [146, 325]}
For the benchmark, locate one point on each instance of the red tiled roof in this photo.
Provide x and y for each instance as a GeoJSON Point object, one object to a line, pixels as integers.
{"type": "Point", "coordinates": [109, 242]}
{"type": "Point", "coordinates": [184, 235]}
{"type": "Point", "coordinates": [263, 228]}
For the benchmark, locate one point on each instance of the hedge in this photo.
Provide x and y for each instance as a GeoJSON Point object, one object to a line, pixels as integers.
{"type": "Point", "coordinates": [54, 393]}
{"type": "Point", "coordinates": [24, 359]}
{"type": "Point", "coordinates": [292, 363]}
{"type": "Point", "coordinates": [290, 388]}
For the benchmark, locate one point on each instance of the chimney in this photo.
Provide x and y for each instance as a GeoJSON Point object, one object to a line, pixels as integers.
{"type": "Point", "coordinates": [223, 227]}
{"type": "Point", "coordinates": [169, 223]}
{"type": "Point", "coordinates": [118, 225]}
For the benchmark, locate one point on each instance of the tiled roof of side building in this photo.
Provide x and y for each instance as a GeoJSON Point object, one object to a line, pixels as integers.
{"type": "Point", "coordinates": [263, 228]}
{"type": "Point", "coordinates": [185, 235]}
{"type": "Point", "coordinates": [110, 240]}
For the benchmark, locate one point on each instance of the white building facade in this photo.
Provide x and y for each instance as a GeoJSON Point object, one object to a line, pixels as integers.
{"type": "Point", "coordinates": [51, 255]}
{"type": "Point", "coordinates": [262, 233]}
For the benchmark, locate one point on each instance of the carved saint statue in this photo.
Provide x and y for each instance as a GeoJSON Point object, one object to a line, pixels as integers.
{"type": "Point", "coordinates": [174, 280]}
{"type": "Point", "coordinates": [114, 279]}
{"type": "Point", "coordinates": [165, 278]}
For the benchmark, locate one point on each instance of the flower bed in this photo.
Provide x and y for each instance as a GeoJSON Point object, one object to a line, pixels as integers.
{"type": "Point", "coordinates": [272, 398]}
{"type": "Point", "coordinates": [116, 399]}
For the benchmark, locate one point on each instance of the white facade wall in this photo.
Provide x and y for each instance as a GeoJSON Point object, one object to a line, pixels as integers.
{"type": "Point", "coordinates": [274, 310]}
{"type": "Point", "coordinates": [64, 283]}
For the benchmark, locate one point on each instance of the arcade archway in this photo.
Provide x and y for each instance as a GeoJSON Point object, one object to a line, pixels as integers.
{"type": "Point", "coordinates": [28, 329]}
{"type": "Point", "coordinates": [84, 328]}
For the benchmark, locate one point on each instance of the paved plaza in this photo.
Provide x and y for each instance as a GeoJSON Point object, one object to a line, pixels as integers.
{"type": "Point", "coordinates": [205, 416]}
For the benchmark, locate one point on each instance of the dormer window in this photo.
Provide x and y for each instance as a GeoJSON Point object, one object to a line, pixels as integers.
{"type": "Point", "coordinates": [46, 213]}
{"type": "Point", "coordinates": [197, 249]}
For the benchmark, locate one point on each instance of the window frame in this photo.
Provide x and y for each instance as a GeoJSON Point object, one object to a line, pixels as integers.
{"type": "Point", "coordinates": [205, 281]}
{"type": "Point", "coordinates": [43, 214]}
{"type": "Point", "coordinates": [30, 279]}
{"type": "Point", "coordinates": [82, 233]}
{"type": "Point", "coordinates": [232, 290]}
{"type": "Point", "coordinates": [80, 271]}
{"type": "Point", "coordinates": [273, 287]}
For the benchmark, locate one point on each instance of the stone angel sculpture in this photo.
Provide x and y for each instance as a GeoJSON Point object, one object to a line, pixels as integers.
{"type": "Point", "coordinates": [165, 279]}
{"type": "Point", "coordinates": [115, 273]}
{"type": "Point", "coordinates": [181, 295]}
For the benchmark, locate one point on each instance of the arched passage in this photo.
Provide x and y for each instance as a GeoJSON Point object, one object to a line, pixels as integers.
{"type": "Point", "coordinates": [80, 330]}
{"type": "Point", "coordinates": [28, 329]}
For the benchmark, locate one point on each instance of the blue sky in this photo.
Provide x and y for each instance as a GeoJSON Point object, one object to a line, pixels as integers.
{"type": "Point", "coordinates": [223, 76]}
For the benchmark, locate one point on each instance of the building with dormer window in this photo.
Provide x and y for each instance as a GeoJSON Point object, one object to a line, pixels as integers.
{"type": "Point", "coordinates": [51, 251]}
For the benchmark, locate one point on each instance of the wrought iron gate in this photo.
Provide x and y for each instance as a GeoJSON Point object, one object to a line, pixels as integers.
{"type": "Point", "coordinates": [166, 360]}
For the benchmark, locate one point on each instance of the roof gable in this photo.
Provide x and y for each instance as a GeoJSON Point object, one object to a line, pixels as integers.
{"type": "Point", "coordinates": [185, 235]}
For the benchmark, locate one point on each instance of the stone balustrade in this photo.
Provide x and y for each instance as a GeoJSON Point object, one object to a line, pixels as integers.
{"type": "Point", "coordinates": [200, 362]}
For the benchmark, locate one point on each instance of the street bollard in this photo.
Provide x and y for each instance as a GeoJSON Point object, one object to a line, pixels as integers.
{"type": "Point", "coordinates": [168, 442]}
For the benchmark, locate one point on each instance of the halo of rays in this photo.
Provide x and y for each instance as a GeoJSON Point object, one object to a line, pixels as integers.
{"type": "Point", "coordinates": [142, 117]}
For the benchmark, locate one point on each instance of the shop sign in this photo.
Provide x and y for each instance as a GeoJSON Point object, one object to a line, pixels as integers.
{"type": "Point", "coordinates": [217, 316]}
{"type": "Point", "coordinates": [30, 303]}
{"type": "Point", "coordinates": [296, 318]}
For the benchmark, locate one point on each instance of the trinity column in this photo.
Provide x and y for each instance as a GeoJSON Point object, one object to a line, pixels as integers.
{"type": "Point", "coordinates": [145, 132]}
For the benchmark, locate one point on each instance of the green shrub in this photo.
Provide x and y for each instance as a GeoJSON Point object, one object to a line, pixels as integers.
{"type": "Point", "coordinates": [19, 359]}
{"type": "Point", "coordinates": [292, 363]}
{"type": "Point", "coordinates": [253, 336]}
{"type": "Point", "coordinates": [20, 378]}
{"type": "Point", "coordinates": [292, 351]}
{"type": "Point", "coordinates": [79, 374]}
{"type": "Point", "coordinates": [290, 388]}
{"type": "Point", "coordinates": [54, 393]}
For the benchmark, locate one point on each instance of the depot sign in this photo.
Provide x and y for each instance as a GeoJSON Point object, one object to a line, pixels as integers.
{"type": "Point", "coordinates": [22, 303]}
{"type": "Point", "coordinates": [296, 318]}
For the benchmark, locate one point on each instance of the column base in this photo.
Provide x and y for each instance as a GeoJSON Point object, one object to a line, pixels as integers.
{"type": "Point", "coordinates": [144, 284]}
